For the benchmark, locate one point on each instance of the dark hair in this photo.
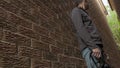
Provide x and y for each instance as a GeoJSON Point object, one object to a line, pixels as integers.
{"type": "Point", "coordinates": [76, 2]}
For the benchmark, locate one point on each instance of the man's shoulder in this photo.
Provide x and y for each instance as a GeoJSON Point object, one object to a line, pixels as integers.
{"type": "Point", "coordinates": [76, 9]}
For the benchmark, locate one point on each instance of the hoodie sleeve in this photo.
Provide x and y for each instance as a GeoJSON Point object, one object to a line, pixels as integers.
{"type": "Point", "coordinates": [81, 30]}
{"type": "Point", "coordinates": [96, 36]}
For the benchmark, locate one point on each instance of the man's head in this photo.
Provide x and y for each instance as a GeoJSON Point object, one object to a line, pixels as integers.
{"type": "Point", "coordinates": [82, 4]}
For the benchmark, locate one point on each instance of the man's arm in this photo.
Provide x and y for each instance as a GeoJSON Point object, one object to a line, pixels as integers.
{"type": "Point", "coordinates": [81, 30]}
{"type": "Point", "coordinates": [95, 35]}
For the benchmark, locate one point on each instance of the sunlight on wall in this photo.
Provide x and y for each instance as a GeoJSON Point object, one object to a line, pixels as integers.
{"type": "Point", "coordinates": [105, 2]}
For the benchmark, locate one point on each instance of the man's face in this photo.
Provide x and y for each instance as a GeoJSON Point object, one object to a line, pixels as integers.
{"type": "Point", "coordinates": [86, 4]}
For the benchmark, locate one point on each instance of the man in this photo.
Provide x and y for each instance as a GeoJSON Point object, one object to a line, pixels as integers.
{"type": "Point", "coordinates": [88, 36]}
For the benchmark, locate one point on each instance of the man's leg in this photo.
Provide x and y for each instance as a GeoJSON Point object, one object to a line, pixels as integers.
{"type": "Point", "coordinates": [90, 60]}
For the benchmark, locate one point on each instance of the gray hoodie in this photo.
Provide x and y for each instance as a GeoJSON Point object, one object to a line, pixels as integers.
{"type": "Point", "coordinates": [87, 33]}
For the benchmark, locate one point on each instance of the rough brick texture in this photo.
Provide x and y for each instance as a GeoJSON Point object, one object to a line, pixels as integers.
{"type": "Point", "coordinates": [39, 34]}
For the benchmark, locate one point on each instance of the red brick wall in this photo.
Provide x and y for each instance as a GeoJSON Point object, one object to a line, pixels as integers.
{"type": "Point", "coordinates": [37, 34]}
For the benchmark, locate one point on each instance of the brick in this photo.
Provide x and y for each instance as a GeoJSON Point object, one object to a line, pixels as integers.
{"type": "Point", "coordinates": [53, 21]}
{"type": "Point", "coordinates": [56, 50]}
{"type": "Point", "coordinates": [71, 60]}
{"type": "Point", "coordinates": [49, 25]}
{"type": "Point", "coordinates": [7, 26]}
{"type": "Point", "coordinates": [80, 63]}
{"type": "Point", "coordinates": [57, 30]}
{"type": "Point", "coordinates": [1, 65]}
{"type": "Point", "coordinates": [44, 10]}
{"type": "Point", "coordinates": [48, 4]}
{"type": "Point", "coordinates": [9, 6]}
{"type": "Point", "coordinates": [16, 62]}
{"type": "Point", "coordinates": [40, 45]}
{"type": "Point", "coordinates": [29, 17]}
{"type": "Point", "coordinates": [69, 51]}
{"type": "Point", "coordinates": [64, 59]}
{"type": "Point", "coordinates": [28, 32]}
{"type": "Point", "coordinates": [58, 65]}
{"type": "Point", "coordinates": [30, 52]}
{"type": "Point", "coordinates": [41, 30]}
{"type": "Point", "coordinates": [23, 41]}
{"type": "Point", "coordinates": [28, 3]}
{"type": "Point", "coordinates": [15, 20]}
{"type": "Point", "coordinates": [40, 64]}
{"type": "Point", "coordinates": [19, 4]}
{"type": "Point", "coordinates": [48, 40]}
{"type": "Point", "coordinates": [61, 45]}
{"type": "Point", "coordinates": [68, 35]}
{"type": "Point", "coordinates": [81, 66]}
{"type": "Point", "coordinates": [77, 61]}
{"type": "Point", "coordinates": [7, 49]}
{"type": "Point", "coordinates": [1, 33]}
{"type": "Point", "coordinates": [36, 2]}
{"type": "Point", "coordinates": [56, 36]}
{"type": "Point", "coordinates": [67, 41]}
{"type": "Point", "coordinates": [30, 8]}
{"type": "Point", "coordinates": [50, 56]}
{"type": "Point", "coordinates": [3, 13]}
{"type": "Point", "coordinates": [77, 53]}
{"type": "Point", "coordinates": [75, 43]}
{"type": "Point", "coordinates": [70, 65]}
{"type": "Point", "coordinates": [17, 39]}
{"type": "Point", "coordinates": [35, 12]}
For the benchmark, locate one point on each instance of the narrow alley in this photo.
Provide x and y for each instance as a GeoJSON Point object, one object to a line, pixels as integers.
{"type": "Point", "coordinates": [39, 34]}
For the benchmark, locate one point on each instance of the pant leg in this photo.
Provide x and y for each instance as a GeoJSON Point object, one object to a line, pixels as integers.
{"type": "Point", "coordinates": [91, 61]}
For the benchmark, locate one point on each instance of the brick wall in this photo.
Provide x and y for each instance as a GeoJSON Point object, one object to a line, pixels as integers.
{"type": "Point", "coordinates": [39, 34]}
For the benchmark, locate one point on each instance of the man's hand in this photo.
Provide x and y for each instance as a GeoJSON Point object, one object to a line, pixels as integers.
{"type": "Point", "coordinates": [96, 52]}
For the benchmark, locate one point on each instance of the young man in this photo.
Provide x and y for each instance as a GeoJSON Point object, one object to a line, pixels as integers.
{"type": "Point", "coordinates": [88, 36]}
